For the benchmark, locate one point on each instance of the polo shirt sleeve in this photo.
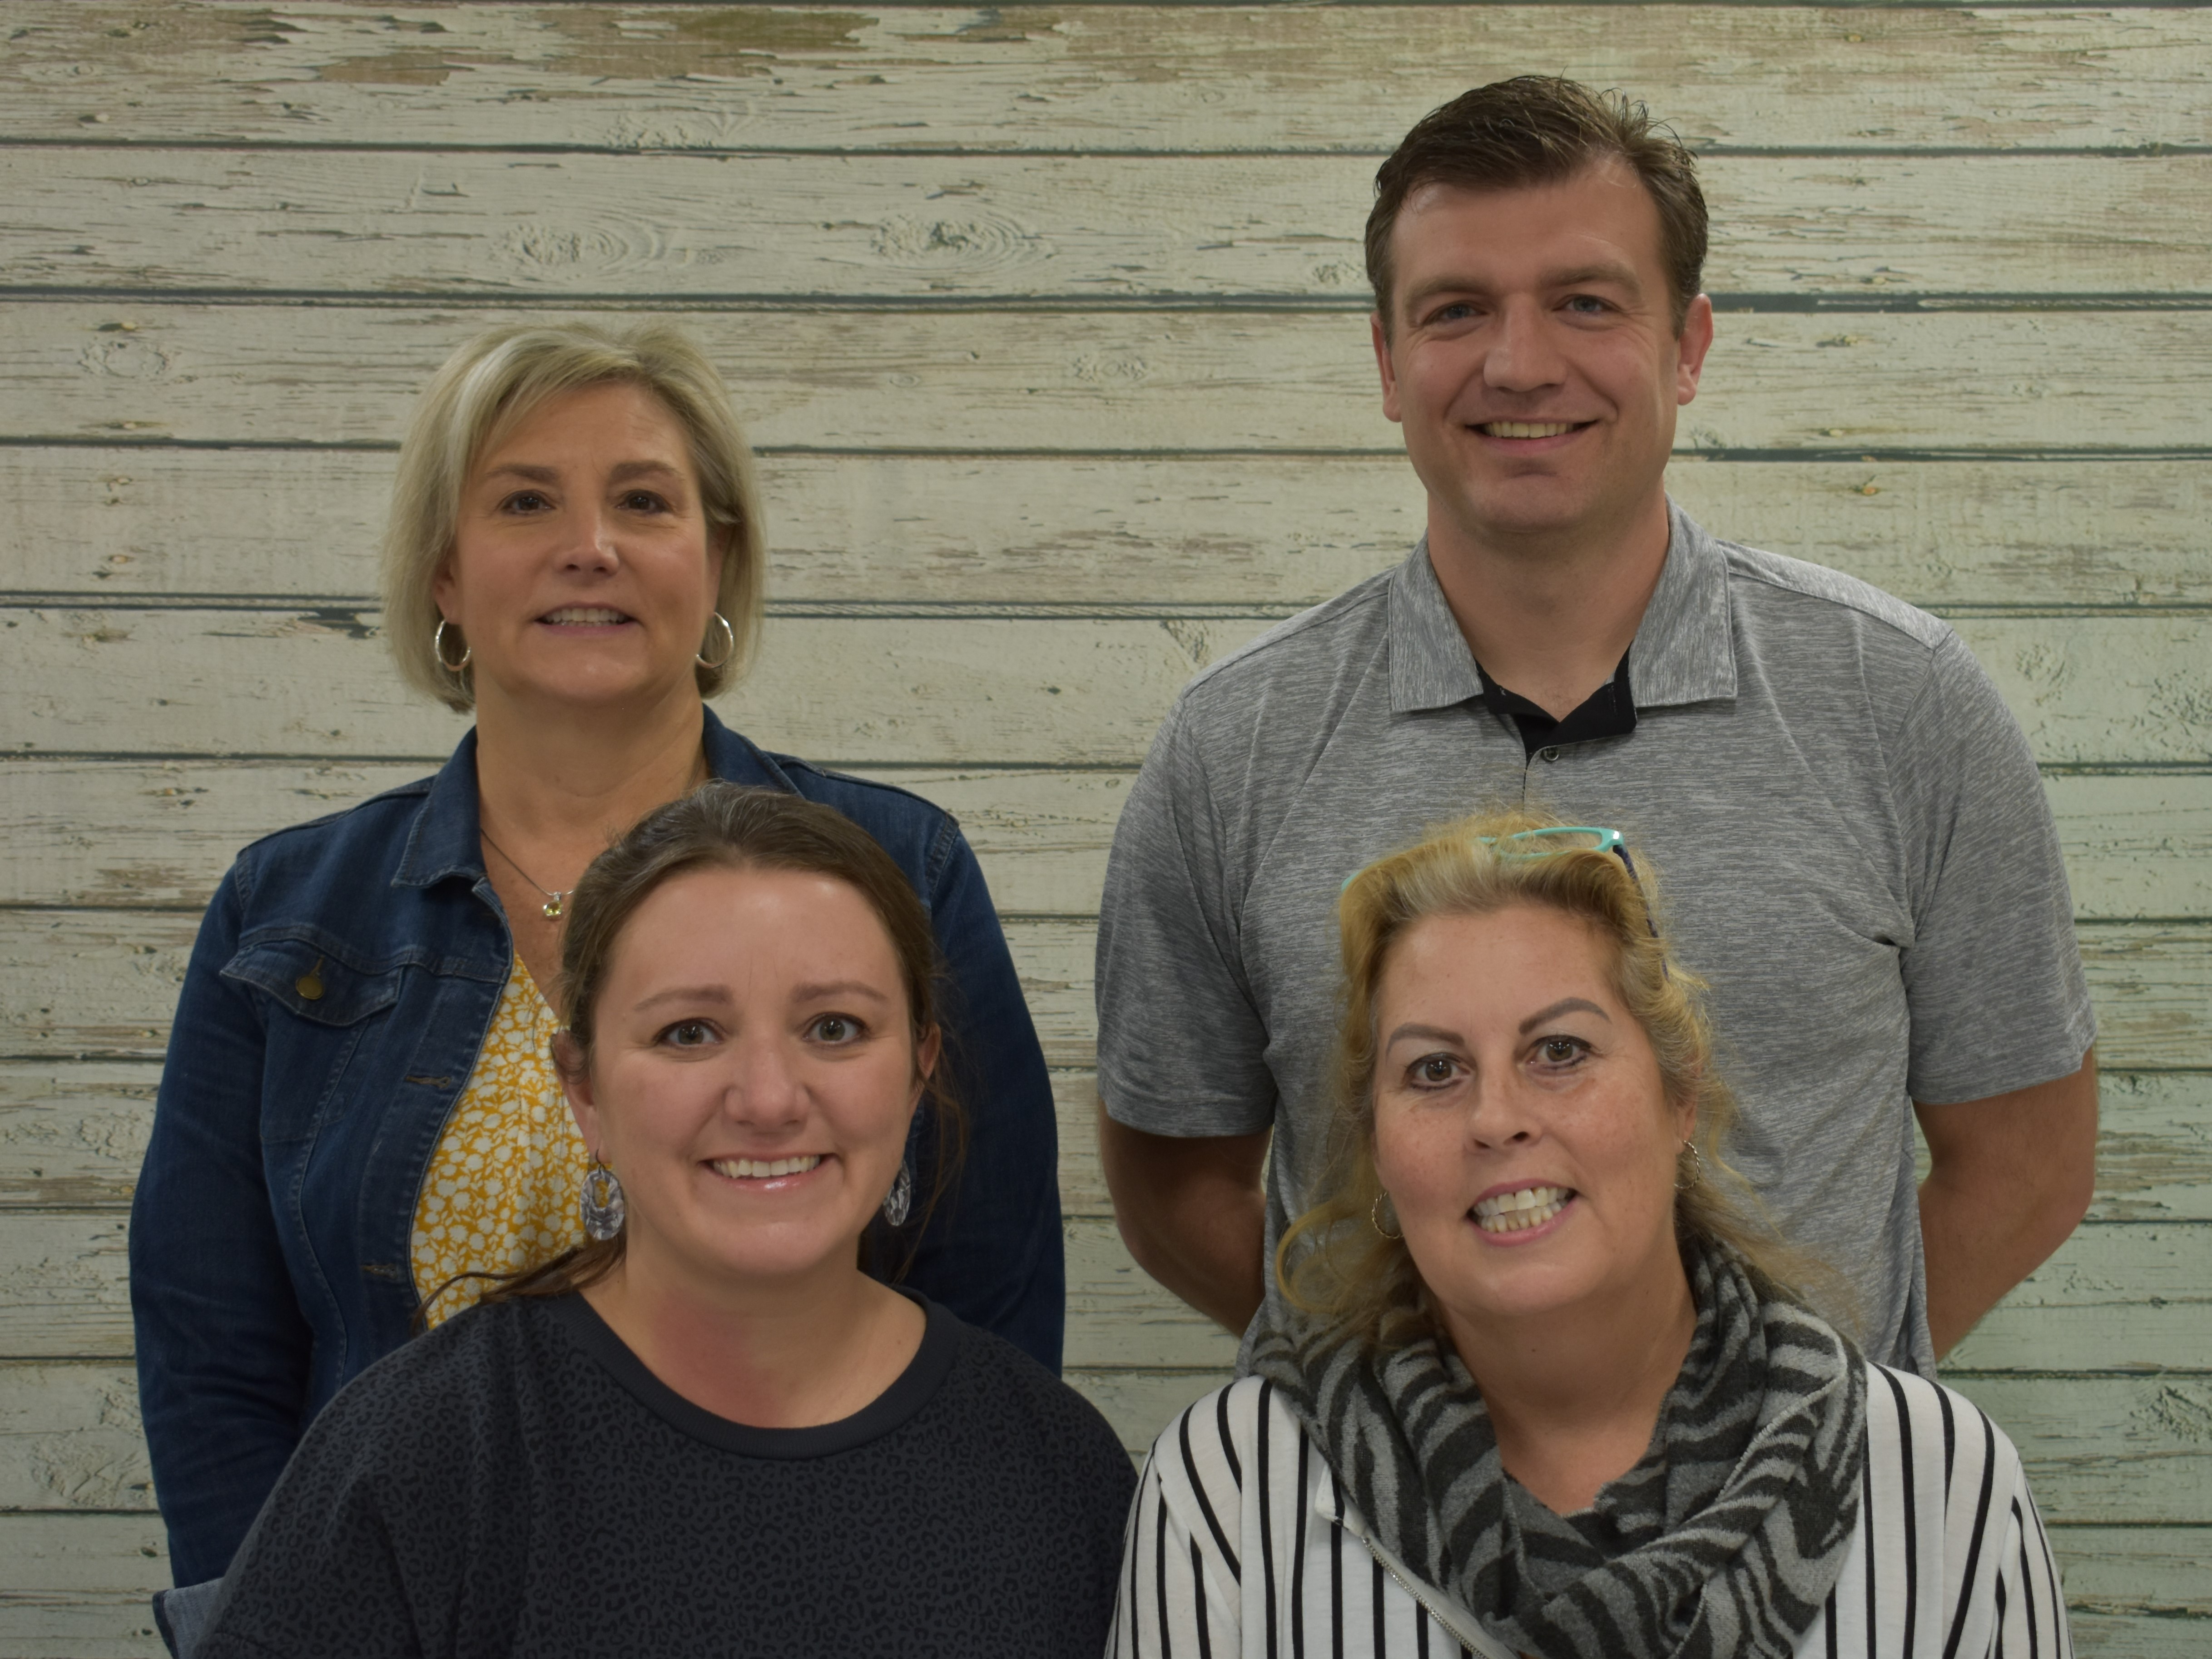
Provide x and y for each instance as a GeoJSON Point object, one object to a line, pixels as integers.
{"type": "Point", "coordinates": [1182, 1045]}
{"type": "Point", "coordinates": [1992, 976]}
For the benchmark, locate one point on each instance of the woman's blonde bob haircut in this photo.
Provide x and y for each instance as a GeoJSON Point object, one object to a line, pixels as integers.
{"type": "Point", "coordinates": [1334, 1262]}
{"type": "Point", "coordinates": [490, 386]}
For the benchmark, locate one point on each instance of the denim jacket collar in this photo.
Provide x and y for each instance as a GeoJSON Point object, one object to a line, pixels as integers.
{"type": "Point", "coordinates": [444, 843]}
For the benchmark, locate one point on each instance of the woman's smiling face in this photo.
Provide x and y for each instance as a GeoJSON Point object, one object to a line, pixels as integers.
{"type": "Point", "coordinates": [1521, 1128]}
{"type": "Point", "coordinates": [582, 568]}
{"type": "Point", "coordinates": [753, 1072]}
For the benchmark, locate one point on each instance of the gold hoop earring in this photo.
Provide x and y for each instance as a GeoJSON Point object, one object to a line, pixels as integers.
{"type": "Point", "coordinates": [1697, 1174]}
{"type": "Point", "coordinates": [1375, 1218]}
{"type": "Point", "coordinates": [729, 646]}
{"type": "Point", "coordinates": [438, 649]}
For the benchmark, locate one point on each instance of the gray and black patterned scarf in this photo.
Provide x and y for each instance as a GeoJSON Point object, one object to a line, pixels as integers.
{"type": "Point", "coordinates": [1723, 1543]}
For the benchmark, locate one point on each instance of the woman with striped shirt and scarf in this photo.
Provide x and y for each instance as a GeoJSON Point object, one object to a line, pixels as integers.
{"type": "Point", "coordinates": [1533, 1384]}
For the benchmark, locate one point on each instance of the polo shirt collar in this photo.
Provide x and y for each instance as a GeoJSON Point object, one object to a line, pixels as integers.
{"type": "Point", "coordinates": [1430, 666]}
{"type": "Point", "coordinates": [1684, 650]}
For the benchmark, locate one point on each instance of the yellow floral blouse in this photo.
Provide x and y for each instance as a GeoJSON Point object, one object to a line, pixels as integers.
{"type": "Point", "coordinates": [503, 1185]}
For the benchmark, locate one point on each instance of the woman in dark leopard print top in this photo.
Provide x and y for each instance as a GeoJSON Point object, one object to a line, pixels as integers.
{"type": "Point", "coordinates": [712, 1432]}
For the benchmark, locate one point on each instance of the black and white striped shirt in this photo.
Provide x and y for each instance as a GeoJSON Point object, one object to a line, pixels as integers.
{"type": "Point", "coordinates": [1241, 1545]}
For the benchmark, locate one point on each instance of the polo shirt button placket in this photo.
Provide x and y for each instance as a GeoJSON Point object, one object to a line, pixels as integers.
{"type": "Point", "coordinates": [1550, 754]}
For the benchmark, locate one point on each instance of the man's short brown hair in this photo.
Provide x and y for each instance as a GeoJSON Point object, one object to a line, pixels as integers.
{"type": "Point", "coordinates": [1540, 129]}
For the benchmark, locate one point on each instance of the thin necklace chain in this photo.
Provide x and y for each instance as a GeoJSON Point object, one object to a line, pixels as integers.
{"type": "Point", "coordinates": [553, 899]}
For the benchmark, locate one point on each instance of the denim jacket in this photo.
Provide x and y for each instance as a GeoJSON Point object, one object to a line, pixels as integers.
{"type": "Point", "coordinates": [343, 984]}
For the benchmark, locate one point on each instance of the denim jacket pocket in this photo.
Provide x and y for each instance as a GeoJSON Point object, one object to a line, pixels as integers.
{"type": "Point", "coordinates": [307, 978]}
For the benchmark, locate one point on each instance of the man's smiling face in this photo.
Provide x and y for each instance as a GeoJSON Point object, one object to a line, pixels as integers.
{"type": "Point", "coordinates": [1532, 359]}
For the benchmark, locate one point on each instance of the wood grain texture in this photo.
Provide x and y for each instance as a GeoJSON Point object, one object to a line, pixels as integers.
{"type": "Point", "coordinates": [102, 984]}
{"type": "Point", "coordinates": [915, 379]}
{"type": "Point", "coordinates": [2118, 1295]}
{"type": "Point", "coordinates": [129, 834]}
{"type": "Point", "coordinates": [1262, 530]}
{"type": "Point", "coordinates": [72, 1134]}
{"type": "Point", "coordinates": [70, 1438]}
{"type": "Point", "coordinates": [861, 689]}
{"type": "Point", "coordinates": [1135, 77]}
{"type": "Point", "coordinates": [661, 226]}
{"type": "Point", "coordinates": [78, 1586]}
{"type": "Point", "coordinates": [2098, 1449]}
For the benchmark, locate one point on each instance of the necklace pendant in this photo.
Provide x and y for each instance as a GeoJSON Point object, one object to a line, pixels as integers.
{"type": "Point", "coordinates": [552, 909]}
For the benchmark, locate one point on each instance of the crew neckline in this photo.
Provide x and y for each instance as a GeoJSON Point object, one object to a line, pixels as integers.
{"type": "Point", "coordinates": [913, 1388]}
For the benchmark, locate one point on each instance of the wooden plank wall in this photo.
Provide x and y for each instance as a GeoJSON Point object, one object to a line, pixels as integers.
{"type": "Point", "coordinates": [1050, 325]}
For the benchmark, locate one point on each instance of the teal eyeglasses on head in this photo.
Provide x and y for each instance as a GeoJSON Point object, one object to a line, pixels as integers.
{"type": "Point", "coordinates": [1548, 842]}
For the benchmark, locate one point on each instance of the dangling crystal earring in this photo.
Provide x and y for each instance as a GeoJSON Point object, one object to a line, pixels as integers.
{"type": "Point", "coordinates": [602, 1203]}
{"type": "Point", "coordinates": [900, 1198]}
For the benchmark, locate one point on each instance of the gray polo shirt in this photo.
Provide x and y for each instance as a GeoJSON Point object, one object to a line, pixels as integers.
{"type": "Point", "coordinates": [1852, 845]}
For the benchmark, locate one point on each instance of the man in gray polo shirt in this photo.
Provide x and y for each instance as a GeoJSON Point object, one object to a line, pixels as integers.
{"type": "Point", "coordinates": [1854, 843]}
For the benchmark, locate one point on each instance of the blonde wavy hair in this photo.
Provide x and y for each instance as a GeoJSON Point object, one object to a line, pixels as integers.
{"type": "Point", "coordinates": [1333, 1263]}
{"type": "Point", "coordinates": [488, 388]}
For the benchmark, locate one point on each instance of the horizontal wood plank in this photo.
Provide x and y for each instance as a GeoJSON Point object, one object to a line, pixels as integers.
{"type": "Point", "coordinates": [1135, 77]}
{"type": "Point", "coordinates": [70, 1438]}
{"type": "Point", "coordinates": [102, 984]}
{"type": "Point", "coordinates": [2098, 1449]}
{"type": "Point", "coordinates": [1096, 380]}
{"type": "Point", "coordinates": [661, 226]}
{"type": "Point", "coordinates": [1259, 530]}
{"type": "Point", "coordinates": [80, 1586]}
{"type": "Point", "coordinates": [2106, 1449]}
{"type": "Point", "coordinates": [130, 834]}
{"type": "Point", "coordinates": [72, 1134]}
{"type": "Point", "coordinates": [64, 1295]}
{"type": "Point", "coordinates": [934, 691]}
{"type": "Point", "coordinates": [2090, 1307]}
{"type": "Point", "coordinates": [2118, 1295]}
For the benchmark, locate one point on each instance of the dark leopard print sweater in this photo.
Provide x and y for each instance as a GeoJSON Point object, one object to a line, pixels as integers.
{"type": "Point", "coordinates": [518, 1483]}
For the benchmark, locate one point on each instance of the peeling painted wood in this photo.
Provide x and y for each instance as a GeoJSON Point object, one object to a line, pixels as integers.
{"type": "Point", "coordinates": [102, 984]}
{"type": "Point", "coordinates": [1133, 77]}
{"type": "Point", "coordinates": [72, 1134]}
{"type": "Point", "coordinates": [661, 226]}
{"type": "Point", "coordinates": [946, 380]}
{"type": "Point", "coordinates": [79, 1586]}
{"type": "Point", "coordinates": [2107, 1449]}
{"type": "Point", "coordinates": [1262, 530]}
{"type": "Point", "coordinates": [2089, 1307]}
{"type": "Point", "coordinates": [70, 1438]}
{"type": "Point", "coordinates": [64, 1295]}
{"type": "Point", "coordinates": [2098, 1449]}
{"type": "Point", "coordinates": [862, 689]}
{"type": "Point", "coordinates": [2118, 1295]}
{"type": "Point", "coordinates": [131, 835]}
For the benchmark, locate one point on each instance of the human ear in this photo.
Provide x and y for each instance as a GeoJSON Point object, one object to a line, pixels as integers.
{"type": "Point", "coordinates": [1690, 348]}
{"type": "Point", "coordinates": [1381, 337]}
{"type": "Point", "coordinates": [573, 1067]}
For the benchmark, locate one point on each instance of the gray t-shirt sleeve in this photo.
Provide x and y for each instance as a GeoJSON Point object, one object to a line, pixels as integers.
{"type": "Point", "coordinates": [1181, 1046]}
{"type": "Point", "coordinates": [1992, 974]}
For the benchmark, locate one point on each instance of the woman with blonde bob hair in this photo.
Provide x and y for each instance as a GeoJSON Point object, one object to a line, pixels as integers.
{"type": "Point", "coordinates": [1539, 1381]}
{"type": "Point", "coordinates": [360, 1124]}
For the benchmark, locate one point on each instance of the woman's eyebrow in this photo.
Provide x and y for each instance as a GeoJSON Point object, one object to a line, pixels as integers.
{"type": "Point", "coordinates": [840, 988]}
{"type": "Point", "coordinates": [1564, 1005]}
{"type": "Point", "coordinates": [1426, 1034]}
